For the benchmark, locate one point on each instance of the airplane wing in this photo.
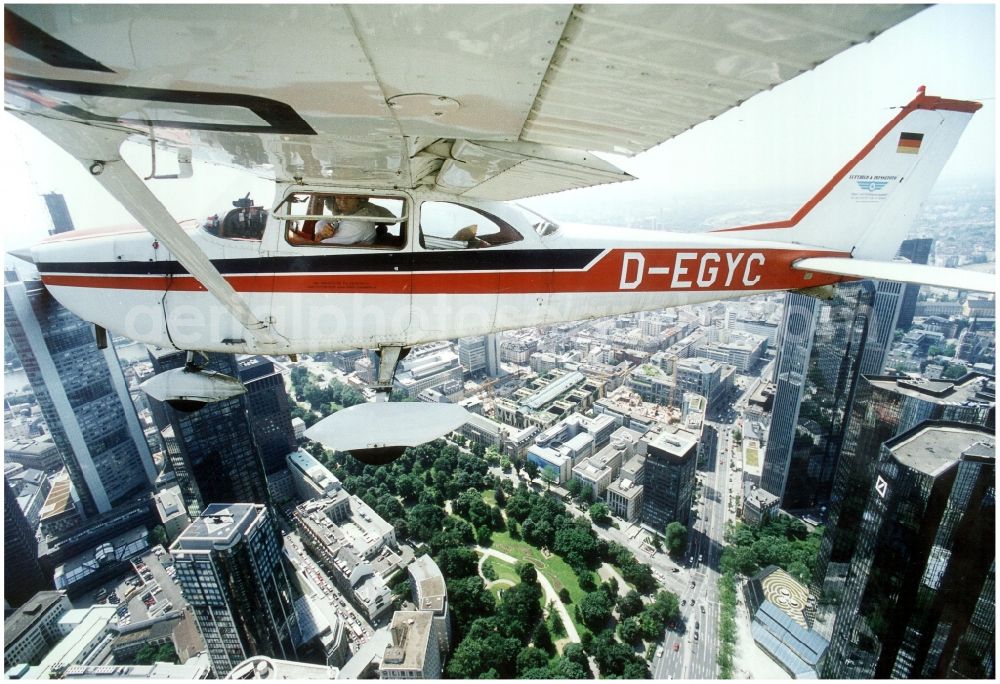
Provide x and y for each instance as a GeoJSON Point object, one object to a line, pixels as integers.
{"type": "Point", "coordinates": [901, 272]}
{"type": "Point", "coordinates": [490, 101]}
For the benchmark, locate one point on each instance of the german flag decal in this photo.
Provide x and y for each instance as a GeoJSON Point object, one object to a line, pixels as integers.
{"type": "Point", "coordinates": [909, 143]}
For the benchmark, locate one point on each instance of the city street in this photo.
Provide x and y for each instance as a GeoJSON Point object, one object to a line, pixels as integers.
{"type": "Point", "coordinates": [690, 650]}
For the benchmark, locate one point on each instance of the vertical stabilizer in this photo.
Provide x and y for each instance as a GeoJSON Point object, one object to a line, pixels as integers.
{"type": "Point", "coordinates": [867, 208]}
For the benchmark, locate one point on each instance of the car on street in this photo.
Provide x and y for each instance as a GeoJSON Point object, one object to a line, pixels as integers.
{"type": "Point", "coordinates": [696, 636]}
{"type": "Point", "coordinates": [703, 609]}
{"type": "Point", "coordinates": [659, 651]}
{"type": "Point", "coordinates": [677, 646]}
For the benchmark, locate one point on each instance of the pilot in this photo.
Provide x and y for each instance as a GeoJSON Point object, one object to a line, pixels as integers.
{"type": "Point", "coordinates": [346, 231]}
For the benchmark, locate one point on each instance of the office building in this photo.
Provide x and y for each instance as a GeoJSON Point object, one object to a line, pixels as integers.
{"type": "Point", "coordinates": [882, 326]}
{"type": "Point", "coordinates": [62, 221]}
{"type": "Point", "coordinates": [918, 251]}
{"type": "Point", "coordinates": [354, 546]}
{"type": "Point", "coordinates": [669, 478]}
{"type": "Point", "coordinates": [86, 634]}
{"type": "Point", "coordinates": [262, 667]}
{"type": "Point", "coordinates": [414, 652]}
{"type": "Point", "coordinates": [426, 367]}
{"type": "Point", "coordinates": [818, 366]}
{"type": "Point", "coordinates": [230, 567]}
{"type": "Point", "coordinates": [559, 448]}
{"type": "Point", "coordinates": [919, 597]}
{"type": "Point", "coordinates": [41, 453]}
{"type": "Point", "coordinates": [82, 393]}
{"type": "Point", "coordinates": [480, 354]}
{"type": "Point", "coordinates": [85, 571]}
{"type": "Point", "coordinates": [22, 574]}
{"type": "Point", "coordinates": [31, 630]}
{"type": "Point", "coordinates": [430, 593]}
{"type": "Point", "coordinates": [547, 399]}
{"type": "Point", "coordinates": [271, 417]}
{"type": "Point", "coordinates": [212, 451]}
{"type": "Point", "coordinates": [885, 407]}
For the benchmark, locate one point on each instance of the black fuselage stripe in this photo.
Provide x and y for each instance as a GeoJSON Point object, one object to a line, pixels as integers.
{"type": "Point", "coordinates": [25, 36]}
{"type": "Point", "coordinates": [469, 260]}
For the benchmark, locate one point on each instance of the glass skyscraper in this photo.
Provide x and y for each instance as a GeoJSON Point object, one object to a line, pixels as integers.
{"type": "Point", "coordinates": [919, 598]}
{"type": "Point", "coordinates": [213, 451]}
{"type": "Point", "coordinates": [22, 574]}
{"type": "Point", "coordinates": [885, 407]}
{"type": "Point", "coordinates": [819, 362]}
{"type": "Point", "coordinates": [83, 396]}
{"type": "Point", "coordinates": [918, 251]}
{"type": "Point", "coordinates": [231, 570]}
{"type": "Point", "coordinates": [269, 411]}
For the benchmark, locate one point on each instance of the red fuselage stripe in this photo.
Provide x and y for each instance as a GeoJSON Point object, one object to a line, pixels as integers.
{"type": "Point", "coordinates": [620, 270]}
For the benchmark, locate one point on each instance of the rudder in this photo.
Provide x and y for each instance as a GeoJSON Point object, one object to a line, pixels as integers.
{"type": "Point", "coordinates": [867, 208]}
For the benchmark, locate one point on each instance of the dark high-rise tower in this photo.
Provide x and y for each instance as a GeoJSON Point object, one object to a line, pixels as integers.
{"type": "Point", "coordinates": [918, 251]}
{"type": "Point", "coordinates": [270, 413]}
{"type": "Point", "coordinates": [819, 361]}
{"type": "Point", "coordinates": [231, 569]}
{"type": "Point", "coordinates": [885, 314]}
{"type": "Point", "coordinates": [83, 396]}
{"type": "Point", "coordinates": [22, 575]}
{"type": "Point", "coordinates": [885, 407]}
{"type": "Point", "coordinates": [62, 222]}
{"type": "Point", "coordinates": [669, 478]}
{"type": "Point", "coordinates": [919, 597]}
{"type": "Point", "coordinates": [212, 450]}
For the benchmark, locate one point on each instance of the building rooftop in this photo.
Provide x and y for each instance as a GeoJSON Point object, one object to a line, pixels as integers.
{"type": "Point", "coordinates": [218, 527]}
{"type": "Point", "coordinates": [197, 667]}
{"type": "Point", "coordinates": [675, 442]}
{"type": "Point", "coordinates": [58, 501]}
{"type": "Point", "coordinates": [411, 630]}
{"type": "Point", "coordinates": [262, 667]}
{"type": "Point", "coordinates": [75, 644]}
{"type": "Point", "coordinates": [432, 594]}
{"type": "Point", "coordinates": [933, 448]}
{"type": "Point", "coordinates": [29, 613]}
{"type": "Point", "coordinates": [967, 389]}
{"type": "Point", "coordinates": [553, 390]}
{"type": "Point", "coordinates": [34, 447]}
{"type": "Point", "coordinates": [314, 470]}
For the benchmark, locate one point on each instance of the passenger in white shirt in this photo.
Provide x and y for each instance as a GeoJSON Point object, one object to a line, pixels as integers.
{"type": "Point", "coordinates": [347, 231]}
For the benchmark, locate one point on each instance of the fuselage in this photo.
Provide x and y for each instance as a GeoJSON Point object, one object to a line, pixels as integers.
{"type": "Point", "coordinates": [425, 282]}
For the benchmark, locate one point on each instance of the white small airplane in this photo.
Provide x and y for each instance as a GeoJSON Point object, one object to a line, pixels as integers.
{"type": "Point", "coordinates": [407, 128]}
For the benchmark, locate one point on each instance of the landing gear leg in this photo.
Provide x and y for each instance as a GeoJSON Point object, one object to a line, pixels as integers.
{"type": "Point", "coordinates": [190, 365]}
{"type": "Point", "coordinates": [388, 360]}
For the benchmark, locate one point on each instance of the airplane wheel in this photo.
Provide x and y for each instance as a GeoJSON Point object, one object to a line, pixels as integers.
{"type": "Point", "coordinates": [379, 456]}
{"type": "Point", "coordinates": [186, 405]}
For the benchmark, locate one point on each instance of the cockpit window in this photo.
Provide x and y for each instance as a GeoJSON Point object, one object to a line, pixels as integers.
{"type": "Point", "coordinates": [447, 225]}
{"type": "Point", "coordinates": [244, 222]}
{"type": "Point", "coordinates": [323, 219]}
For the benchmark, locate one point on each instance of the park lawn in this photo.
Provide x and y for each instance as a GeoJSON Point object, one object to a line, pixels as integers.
{"type": "Point", "coordinates": [490, 497]}
{"type": "Point", "coordinates": [505, 570]}
{"type": "Point", "coordinates": [554, 568]}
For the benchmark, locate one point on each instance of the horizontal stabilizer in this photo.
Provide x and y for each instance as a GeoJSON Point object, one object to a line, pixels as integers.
{"type": "Point", "coordinates": [901, 272]}
{"type": "Point", "coordinates": [379, 432]}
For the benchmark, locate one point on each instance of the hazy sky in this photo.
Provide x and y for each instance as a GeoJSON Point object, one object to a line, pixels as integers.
{"type": "Point", "coordinates": [788, 141]}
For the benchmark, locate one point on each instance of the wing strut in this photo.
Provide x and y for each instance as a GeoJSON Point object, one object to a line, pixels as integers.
{"type": "Point", "coordinates": [98, 149]}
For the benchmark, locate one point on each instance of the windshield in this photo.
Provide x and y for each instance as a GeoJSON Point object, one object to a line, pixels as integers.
{"type": "Point", "coordinates": [542, 225]}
